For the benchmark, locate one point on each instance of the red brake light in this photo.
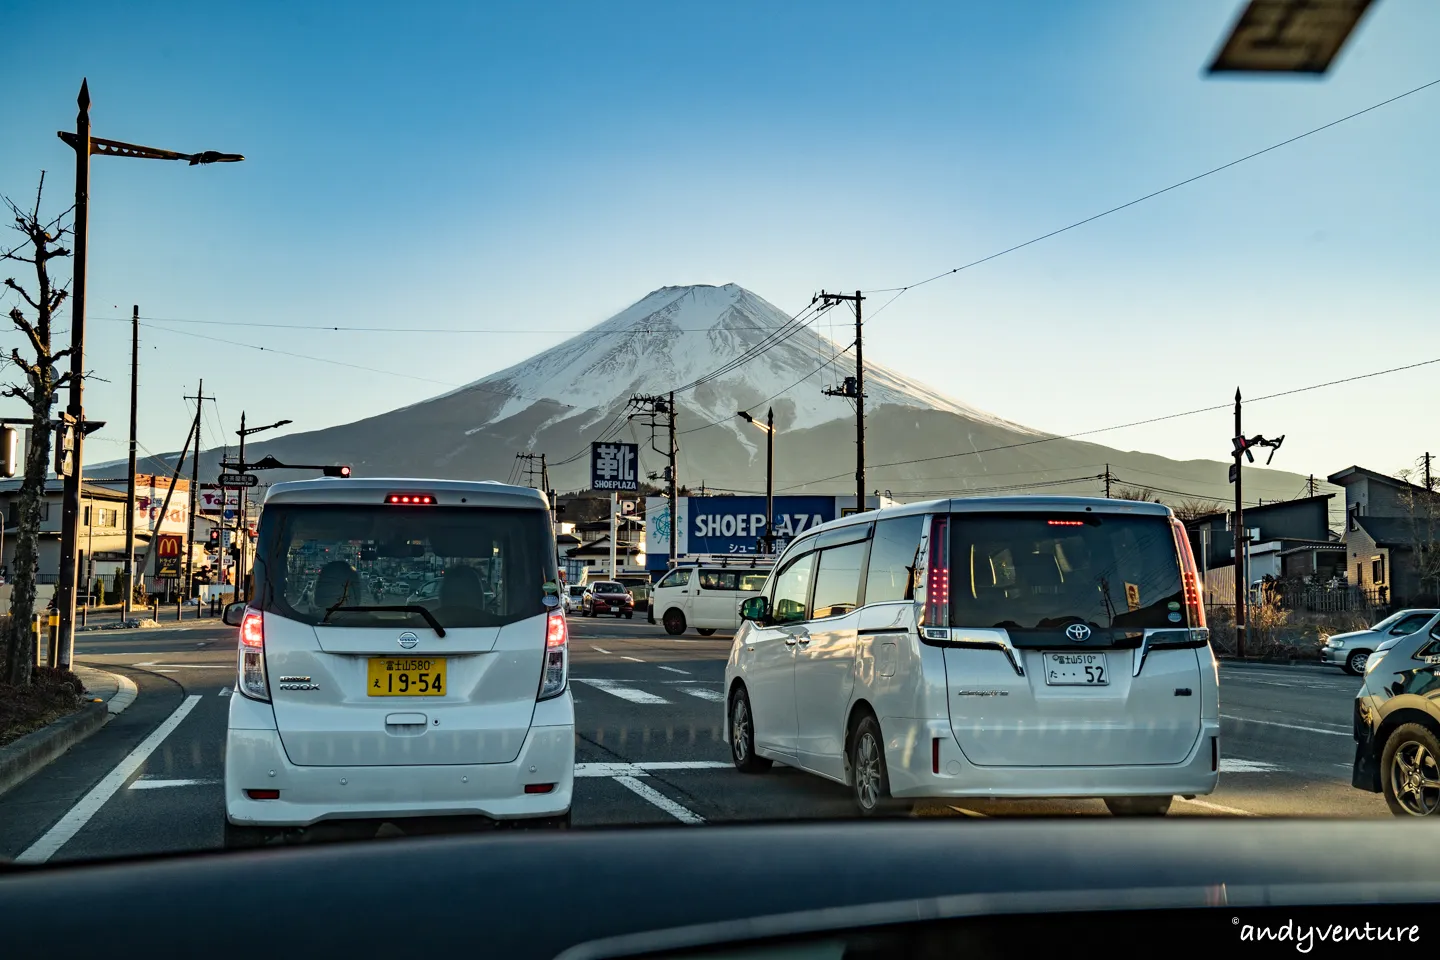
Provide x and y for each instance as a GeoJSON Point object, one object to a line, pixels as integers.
{"type": "Point", "coordinates": [1066, 523]}
{"type": "Point", "coordinates": [539, 787]}
{"type": "Point", "coordinates": [252, 629]}
{"type": "Point", "coordinates": [1189, 576]}
{"type": "Point", "coordinates": [937, 582]}
{"type": "Point", "coordinates": [557, 632]}
{"type": "Point", "coordinates": [263, 794]}
{"type": "Point", "coordinates": [423, 499]}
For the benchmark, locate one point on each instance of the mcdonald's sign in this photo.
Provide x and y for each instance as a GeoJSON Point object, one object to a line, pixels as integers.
{"type": "Point", "coordinates": [168, 547]}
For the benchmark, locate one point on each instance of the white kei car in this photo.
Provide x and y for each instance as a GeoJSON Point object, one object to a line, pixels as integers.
{"type": "Point", "coordinates": [351, 707]}
{"type": "Point", "coordinates": [983, 647]}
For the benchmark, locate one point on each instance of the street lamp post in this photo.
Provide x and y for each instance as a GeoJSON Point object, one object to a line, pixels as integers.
{"type": "Point", "coordinates": [85, 146]}
{"type": "Point", "coordinates": [244, 533]}
{"type": "Point", "coordinates": [769, 427]}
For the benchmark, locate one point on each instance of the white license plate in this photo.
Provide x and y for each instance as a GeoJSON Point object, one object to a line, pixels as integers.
{"type": "Point", "coordinates": [1076, 670]}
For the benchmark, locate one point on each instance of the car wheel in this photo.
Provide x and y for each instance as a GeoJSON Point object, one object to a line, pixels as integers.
{"type": "Point", "coordinates": [1409, 771]}
{"type": "Point", "coordinates": [1355, 661]}
{"type": "Point", "coordinates": [674, 622]}
{"type": "Point", "coordinates": [705, 631]}
{"type": "Point", "coordinates": [742, 735]}
{"type": "Point", "coordinates": [869, 778]}
{"type": "Point", "coordinates": [1138, 806]}
{"type": "Point", "coordinates": [630, 616]}
{"type": "Point", "coordinates": [248, 838]}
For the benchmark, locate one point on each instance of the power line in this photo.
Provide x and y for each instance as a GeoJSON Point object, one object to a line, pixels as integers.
{"type": "Point", "coordinates": [1156, 193]}
{"type": "Point", "coordinates": [1133, 423]}
{"type": "Point", "coordinates": [823, 365]}
{"type": "Point", "coordinates": [331, 328]}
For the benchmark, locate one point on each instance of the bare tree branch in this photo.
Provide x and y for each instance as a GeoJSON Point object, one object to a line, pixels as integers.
{"type": "Point", "coordinates": [10, 282]}
{"type": "Point", "coordinates": [12, 390]}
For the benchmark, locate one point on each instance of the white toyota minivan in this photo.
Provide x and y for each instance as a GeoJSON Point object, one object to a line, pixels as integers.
{"type": "Point", "coordinates": [353, 707]}
{"type": "Point", "coordinates": [983, 647]}
{"type": "Point", "coordinates": [706, 597]}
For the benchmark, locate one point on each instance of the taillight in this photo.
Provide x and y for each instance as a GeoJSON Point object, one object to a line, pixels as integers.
{"type": "Point", "coordinates": [557, 655]}
{"type": "Point", "coordinates": [937, 575]}
{"type": "Point", "coordinates": [411, 499]}
{"type": "Point", "coordinates": [1189, 577]}
{"type": "Point", "coordinates": [251, 681]}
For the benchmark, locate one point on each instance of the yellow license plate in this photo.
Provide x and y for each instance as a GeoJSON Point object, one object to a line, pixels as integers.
{"type": "Point", "coordinates": [406, 677]}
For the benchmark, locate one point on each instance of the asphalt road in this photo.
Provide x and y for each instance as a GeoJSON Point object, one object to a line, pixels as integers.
{"type": "Point", "coordinates": [648, 748]}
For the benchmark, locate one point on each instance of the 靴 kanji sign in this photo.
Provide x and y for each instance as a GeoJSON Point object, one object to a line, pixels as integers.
{"type": "Point", "coordinates": [615, 466]}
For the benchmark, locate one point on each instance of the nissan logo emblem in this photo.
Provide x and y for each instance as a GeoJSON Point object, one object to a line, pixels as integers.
{"type": "Point", "coordinates": [408, 639]}
{"type": "Point", "coordinates": [1076, 631]}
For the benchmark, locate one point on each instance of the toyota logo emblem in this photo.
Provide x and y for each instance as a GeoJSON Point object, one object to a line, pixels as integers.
{"type": "Point", "coordinates": [1078, 632]}
{"type": "Point", "coordinates": [408, 639]}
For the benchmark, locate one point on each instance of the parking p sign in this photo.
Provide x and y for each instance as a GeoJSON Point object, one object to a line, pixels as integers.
{"type": "Point", "coordinates": [615, 466]}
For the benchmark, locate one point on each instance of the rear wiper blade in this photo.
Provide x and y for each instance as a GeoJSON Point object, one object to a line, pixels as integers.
{"type": "Point", "coordinates": [399, 608]}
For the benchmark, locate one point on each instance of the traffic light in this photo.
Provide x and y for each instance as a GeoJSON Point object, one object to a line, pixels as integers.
{"type": "Point", "coordinates": [9, 451]}
{"type": "Point", "coordinates": [337, 471]}
{"type": "Point", "coordinates": [214, 543]}
{"type": "Point", "coordinates": [1243, 446]}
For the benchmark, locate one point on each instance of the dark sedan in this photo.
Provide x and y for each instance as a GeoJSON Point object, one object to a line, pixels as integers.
{"type": "Point", "coordinates": [607, 596]}
{"type": "Point", "coordinates": [1397, 724]}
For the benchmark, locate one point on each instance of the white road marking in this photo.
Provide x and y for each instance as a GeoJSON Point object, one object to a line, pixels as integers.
{"type": "Point", "coordinates": [1232, 765]}
{"type": "Point", "coordinates": [676, 670]}
{"type": "Point", "coordinates": [717, 682]}
{"type": "Point", "coordinates": [970, 813]}
{"type": "Point", "coordinates": [190, 666]}
{"type": "Point", "coordinates": [599, 649]}
{"type": "Point", "coordinates": [144, 784]}
{"type": "Point", "coordinates": [164, 671]}
{"type": "Point", "coordinates": [1289, 726]}
{"type": "Point", "coordinates": [643, 769]}
{"type": "Point", "coordinates": [1219, 808]}
{"type": "Point", "coordinates": [224, 692]}
{"type": "Point", "coordinates": [660, 800]}
{"type": "Point", "coordinates": [636, 659]}
{"type": "Point", "coordinates": [615, 688]}
{"type": "Point", "coordinates": [79, 815]}
{"type": "Point", "coordinates": [704, 694]}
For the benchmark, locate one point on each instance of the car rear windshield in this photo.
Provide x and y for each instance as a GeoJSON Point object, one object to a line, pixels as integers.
{"type": "Point", "coordinates": [470, 567]}
{"type": "Point", "coordinates": [1038, 571]}
{"type": "Point", "coordinates": [606, 586]}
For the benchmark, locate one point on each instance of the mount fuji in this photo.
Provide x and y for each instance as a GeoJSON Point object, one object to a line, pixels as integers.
{"type": "Point", "coordinates": [687, 339]}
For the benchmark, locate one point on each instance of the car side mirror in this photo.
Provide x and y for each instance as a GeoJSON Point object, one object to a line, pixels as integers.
{"type": "Point", "coordinates": [756, 609]}
{"type": "Point", "coordinates": [234, 613]}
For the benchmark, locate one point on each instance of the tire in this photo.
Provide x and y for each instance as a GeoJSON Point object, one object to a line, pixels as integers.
{"type": "Point", "coordinates": [1410, 771]}
{"type": "Point", "coordinates": [249, 838]}
{"type": "Point", "coordinates": [1138, 806]}
{"type": "Point", "coordinates": [1355, 662]}
{"type": "Point", "coordinates": [630, 616]}
{"type": "Point", "coordinates": [869, 777]}
{"type": "Point", "coordinates": [742, 735]}
{"type": "Point", "coordinates": [674, 622]}
{"type": "Point", "coordinates": [705, 631]}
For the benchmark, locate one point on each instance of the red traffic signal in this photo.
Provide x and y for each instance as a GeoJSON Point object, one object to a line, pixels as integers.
{"type": "Point", "coordinates": [337, 471]}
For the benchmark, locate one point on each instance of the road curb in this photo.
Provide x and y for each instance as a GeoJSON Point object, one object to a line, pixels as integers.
{"type": "Point", "coordinates": [21, 760]}
{"type": "Point", "coordinates": [1279, 662]}
{"type": "Point", "coordinates": [124, 696]}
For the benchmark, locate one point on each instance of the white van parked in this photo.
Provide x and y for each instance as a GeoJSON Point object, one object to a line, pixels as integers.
{"type": "Point", "coordinates": [355, 707]}
{"type": "Point", "coordinates": [984, 647]}
{"type": "Point", "coordinates": [706, 596]}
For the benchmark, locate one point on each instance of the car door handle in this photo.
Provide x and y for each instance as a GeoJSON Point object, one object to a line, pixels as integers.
{"type": "Point", "coordinates": [797, 638]}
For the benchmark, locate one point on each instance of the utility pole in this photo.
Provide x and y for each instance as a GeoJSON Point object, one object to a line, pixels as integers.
{"type": "Point", "coordinates": [653, 407]}
{"type": "Point", "coordinates": [1107, 481]}
{"type": "Point", "coordinates": [1242, 582]}
{"type": "Point", "coordinates": [199, 399]}
{"type": "Point", "coordinates": [70, 502]}
{"type": "Point", "coordinates": [770, 480]}
{"type": "Point", "coordinates": [130, 473]}
{"type": "Point", "coordinates": [1429, 480]}
{"type": "Point", "coordinates": [853, 387]}
{"type": "Point", "coordinates": [165, 506]}
{"type": "Point", "coordinates": [1310, 485]}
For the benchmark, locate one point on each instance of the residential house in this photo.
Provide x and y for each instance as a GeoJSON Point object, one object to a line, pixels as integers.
{"type": "Point", "coordinates": [1290, 538]}
{"type": "Point", "coordinates": [1391, 527]}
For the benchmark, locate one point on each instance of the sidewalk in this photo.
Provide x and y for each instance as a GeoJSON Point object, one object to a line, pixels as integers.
{"type": "Point", "coordinates": [106, 694]}
{"type": "Point", "coordinates": [112, 689]}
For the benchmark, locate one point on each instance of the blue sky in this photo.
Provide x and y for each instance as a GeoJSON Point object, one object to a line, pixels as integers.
{"type": "Point", "coordinates": [536, 168]}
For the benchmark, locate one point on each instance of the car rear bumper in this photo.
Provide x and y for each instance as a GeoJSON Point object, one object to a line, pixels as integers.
{"type": "Point", "coordinates": [255, 759]}
{"type": "Point", "coordinates": [910, 763]}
